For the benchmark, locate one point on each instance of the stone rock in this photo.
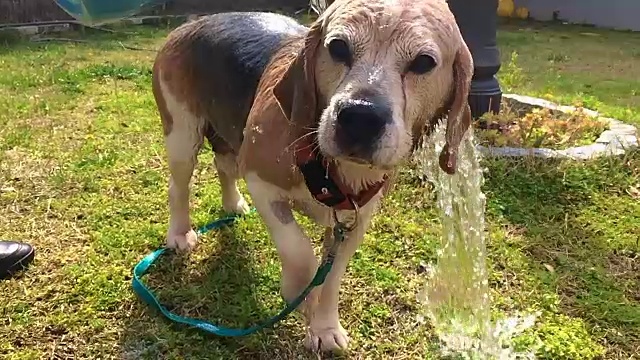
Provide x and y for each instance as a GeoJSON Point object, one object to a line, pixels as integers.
{"type": "Point", "coordinates": [615, 141]}
{"type": "Point", "coordinates": [621, 128]}
{"type": "Point", "coordinates": [623, 138]}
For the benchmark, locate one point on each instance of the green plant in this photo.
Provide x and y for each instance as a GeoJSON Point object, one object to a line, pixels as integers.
{"type": "Point", "coordinates": [511, 75]}
{"type": "Point", "coordinates": [540, 128]}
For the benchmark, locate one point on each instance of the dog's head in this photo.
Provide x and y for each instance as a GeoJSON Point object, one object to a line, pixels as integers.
{"type": "Point", "coordinates": [375, 75]}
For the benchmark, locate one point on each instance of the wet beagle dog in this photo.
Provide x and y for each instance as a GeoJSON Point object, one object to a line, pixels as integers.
{"type": "Point", "coordinates": [314, 119]}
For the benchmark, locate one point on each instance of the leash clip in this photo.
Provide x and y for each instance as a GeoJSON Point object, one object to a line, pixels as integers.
{"type": "Point", "coordinates": [340, 229]}
{"type": "Point", "coordinates": [354, 224]}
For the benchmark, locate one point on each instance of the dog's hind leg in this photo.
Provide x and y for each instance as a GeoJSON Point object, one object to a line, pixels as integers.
{"type": "Point", "coordinates": [183, 141]}
{"type": "Point", "coordinates": [232, 199]}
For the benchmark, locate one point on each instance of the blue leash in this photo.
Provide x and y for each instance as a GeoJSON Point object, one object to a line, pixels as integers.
{"type": "Point", "coordinates": [147, 296]}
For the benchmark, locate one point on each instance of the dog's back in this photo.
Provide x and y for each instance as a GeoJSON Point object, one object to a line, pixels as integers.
{"type": "Point", "coordinates": [210, 69]}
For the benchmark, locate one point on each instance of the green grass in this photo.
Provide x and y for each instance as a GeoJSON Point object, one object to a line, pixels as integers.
{"type": "Point", "coordinates": [569, 64]}
{"type": "Point", "coordinates": [83, 178]}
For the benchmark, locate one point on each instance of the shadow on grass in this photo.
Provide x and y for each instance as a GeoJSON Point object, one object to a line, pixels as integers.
{"type": "Point", "coordinates": [224, 287]}
{"type": "Point", "coordinates": [561, 211]}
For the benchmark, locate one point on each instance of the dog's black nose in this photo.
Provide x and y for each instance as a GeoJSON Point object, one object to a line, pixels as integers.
{"type": "Point", "coordinates": [362, 122]}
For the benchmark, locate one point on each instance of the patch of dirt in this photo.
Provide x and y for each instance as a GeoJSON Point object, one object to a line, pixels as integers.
{"type": "Point", "coordinates": [539, 128]}
{"type": "Point", "coordinates": [625, 268]}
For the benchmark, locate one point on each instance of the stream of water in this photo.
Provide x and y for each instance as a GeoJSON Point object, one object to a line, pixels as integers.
{"type": "Point", "coordinates": [456, 297]}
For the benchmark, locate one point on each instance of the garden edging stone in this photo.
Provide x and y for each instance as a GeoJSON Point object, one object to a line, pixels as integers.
{"type": "Point", "coordinates": [615, 141]}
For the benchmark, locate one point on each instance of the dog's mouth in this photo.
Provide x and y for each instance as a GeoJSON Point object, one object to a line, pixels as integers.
{"type": "Point", "coordinates": [365, 163]}
{"type": "Point", "coordinates": [357, 160]}
{"type": "Point", "coordinates": [364, 154]}
{"type": "Point", "coordinates": [337, 154]}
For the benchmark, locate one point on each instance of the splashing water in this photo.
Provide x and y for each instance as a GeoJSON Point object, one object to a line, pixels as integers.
{"type": "Point", "coordinates": [456, 297]}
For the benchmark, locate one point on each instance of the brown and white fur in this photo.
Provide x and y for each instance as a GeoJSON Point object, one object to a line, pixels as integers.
{"type": "Point", "coordinates": [256, 84]}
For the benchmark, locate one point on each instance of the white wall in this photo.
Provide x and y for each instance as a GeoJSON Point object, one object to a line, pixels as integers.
{"type": "Point", "coordinates": [617, 14]}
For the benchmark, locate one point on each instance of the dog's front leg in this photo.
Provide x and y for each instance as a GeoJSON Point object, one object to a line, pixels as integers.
{"type": "Point", "coordinates": [325, 333]}
{"type": "Point", "coordinates": [295, 250]}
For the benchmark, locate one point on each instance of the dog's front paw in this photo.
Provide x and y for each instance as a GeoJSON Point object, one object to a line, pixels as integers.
{"type": "Point", "coordinates": [332, 338]}
{"type": "Point", "coordinates": [182, 242]}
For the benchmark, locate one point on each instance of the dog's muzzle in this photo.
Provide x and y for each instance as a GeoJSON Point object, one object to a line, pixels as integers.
{"type": "Point", "coordinates": [360, 124]}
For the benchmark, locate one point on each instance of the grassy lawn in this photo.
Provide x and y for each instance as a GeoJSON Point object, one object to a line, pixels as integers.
{"type": "Point", "coordinates": [574, 64]}
{"type": "Point", "coordinates": [83, 178]}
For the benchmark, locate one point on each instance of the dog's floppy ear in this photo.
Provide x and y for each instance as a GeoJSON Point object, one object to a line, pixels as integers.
{"type": "Point", "coordinates": [459, 118]}
{"type": "Point", "coordinates": [295, 92]}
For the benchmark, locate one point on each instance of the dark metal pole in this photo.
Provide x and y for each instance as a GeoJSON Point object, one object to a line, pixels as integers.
{"type": "Point", "coordinates": [478, 21]}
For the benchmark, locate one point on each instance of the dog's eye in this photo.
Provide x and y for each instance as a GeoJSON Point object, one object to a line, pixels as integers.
{"type": "Point", "coordinates": [422, 64]}
{"type": "Point", "coordinates": [339, 51]}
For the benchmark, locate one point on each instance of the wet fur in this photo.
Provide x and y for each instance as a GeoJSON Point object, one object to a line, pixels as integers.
{"type": "Point", "coordinates": [256, 84]}
{"type": "Point", "coordinates": [232, 49]}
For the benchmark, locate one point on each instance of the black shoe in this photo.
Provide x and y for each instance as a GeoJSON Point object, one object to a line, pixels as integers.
{"type": "Point", "coordinates": [14, 256]}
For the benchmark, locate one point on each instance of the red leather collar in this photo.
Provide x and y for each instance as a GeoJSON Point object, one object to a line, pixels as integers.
{"type": "Point", "coordinates": [324, 183]}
